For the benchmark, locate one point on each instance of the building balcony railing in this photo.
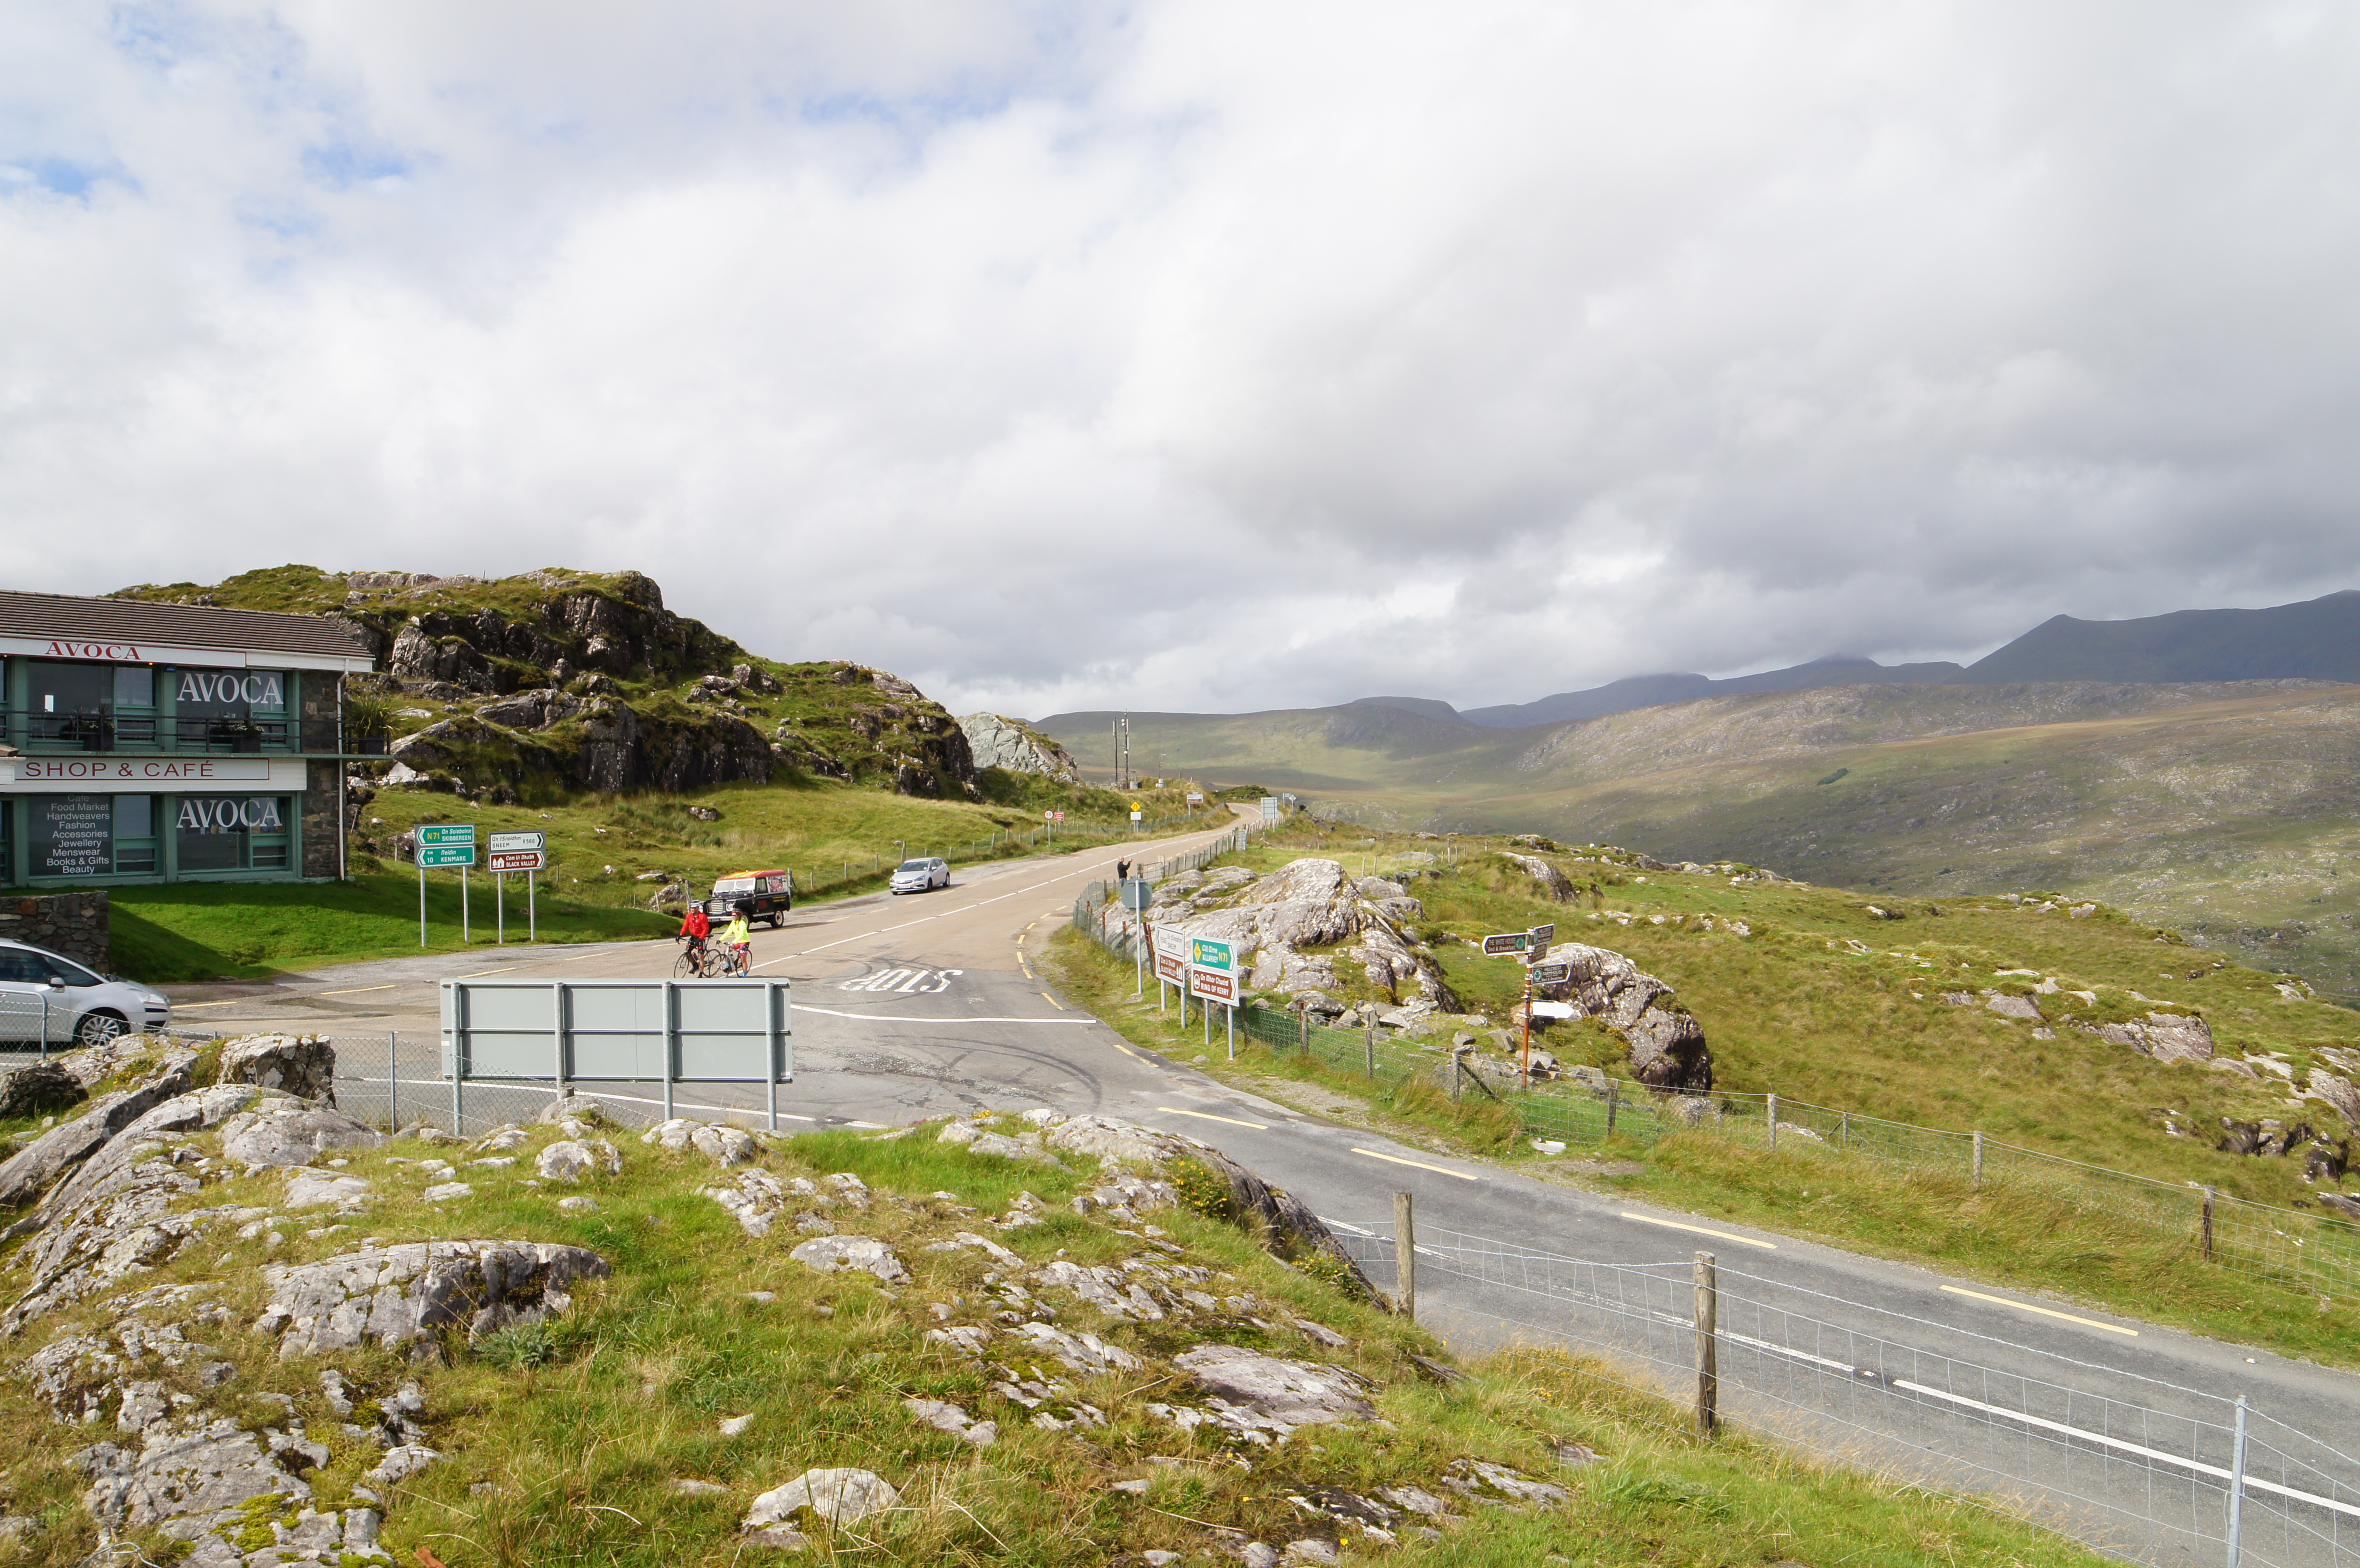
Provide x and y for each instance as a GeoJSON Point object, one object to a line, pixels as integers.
{"type": "Point", "coordinates": [108, 734]}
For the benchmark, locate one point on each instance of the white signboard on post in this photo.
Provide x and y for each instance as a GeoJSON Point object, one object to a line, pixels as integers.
{"type": "Point", "coordinates": [1171, 955]}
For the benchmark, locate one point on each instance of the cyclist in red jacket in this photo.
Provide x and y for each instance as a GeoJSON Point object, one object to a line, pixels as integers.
{"type": "Point", "coordinates": [695, 927]}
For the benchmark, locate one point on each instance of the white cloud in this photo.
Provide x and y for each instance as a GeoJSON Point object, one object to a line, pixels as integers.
{"type": "Point", "coordinates": [1206, 353]}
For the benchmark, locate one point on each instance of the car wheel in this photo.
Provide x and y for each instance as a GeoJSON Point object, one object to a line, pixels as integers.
{"type": "Point", "coordinates": [99, 1027]}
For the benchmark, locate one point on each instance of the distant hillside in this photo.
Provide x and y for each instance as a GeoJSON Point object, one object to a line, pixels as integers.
{"type": "Point", "coordinates": [2318, 640]}
{"type": "Point", "coordinates": [1652, 691]}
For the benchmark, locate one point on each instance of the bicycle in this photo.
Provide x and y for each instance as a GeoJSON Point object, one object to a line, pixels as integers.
{"type": "Point", "coordinates": [724, 961]}
{"type": "Point", "coordinates": [691, 963]}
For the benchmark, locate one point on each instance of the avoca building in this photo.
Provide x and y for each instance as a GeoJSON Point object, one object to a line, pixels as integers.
{"type": "Point", "coordinates": [169, 743]}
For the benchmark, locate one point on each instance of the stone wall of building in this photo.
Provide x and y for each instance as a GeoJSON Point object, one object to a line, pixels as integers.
{"type": "Point", "coordinates": [323, 822]}
{"type": "Point", "coordinates": [72, 925]}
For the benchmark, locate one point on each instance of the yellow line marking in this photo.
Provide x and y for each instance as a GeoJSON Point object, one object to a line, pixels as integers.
{"type": "Point", "coordinates": [1021, 936]}
{"type": "Point", "coordinates": [1421, 1165]}
{"type": "Point", "coordinates": [1208, 1115]}
{"type": "Point", "coordinates": [1051, 1000]}
{"type": "Point", "coordinates": [188, 1007]}
{"type": "Point", "coordinates": [503, 969]}
{"type": "Point", "coordinates": [1701, 1230]}
{"type": "Point", "coordinates": [357, 990]}
{"type": "Point", "coordinates": [1128, 1051]}
{"type": "Point", "coordinates": [2044, 1311]}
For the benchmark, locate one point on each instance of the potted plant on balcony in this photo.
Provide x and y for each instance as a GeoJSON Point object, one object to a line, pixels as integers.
{"type": "Point", "coordinates": [368, 723]}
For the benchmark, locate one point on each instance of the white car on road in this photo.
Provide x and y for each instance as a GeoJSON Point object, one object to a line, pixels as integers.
{"type": "Point", "coordinates": [920, 875]}
{"type": "Point", "coordinates": [43, 996]}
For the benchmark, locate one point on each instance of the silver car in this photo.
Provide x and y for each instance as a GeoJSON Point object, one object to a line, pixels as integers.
{"type": "Point", "coordinates": [920, 875]}
{"type": "Point", "coordinates": [44, 998]}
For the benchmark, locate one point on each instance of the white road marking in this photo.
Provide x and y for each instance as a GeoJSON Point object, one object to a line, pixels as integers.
{"type": "Point", "coordinates": [2044, 1311]}
{"type": "Point", "coordinates": [1398, 1159]}
{"type": "Point", "coordinates": [1339, 1224]}
{"type": "Point", "coordinates": [910, 1019]}
{"type": "Point", "coordinates": [1701, 1230]}
{"type": "Point", "coordinates": [1209, 1116]}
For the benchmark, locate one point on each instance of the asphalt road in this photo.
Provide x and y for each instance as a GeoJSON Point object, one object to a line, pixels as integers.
{"type": "Point", "coordinates": [927, 1006]}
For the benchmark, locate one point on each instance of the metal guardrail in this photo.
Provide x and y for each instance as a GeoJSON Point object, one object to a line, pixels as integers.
{"type": "Point", "coordinates": [2132, 1464]}
{"type": "Point", "coordinates": [2311, 1252]}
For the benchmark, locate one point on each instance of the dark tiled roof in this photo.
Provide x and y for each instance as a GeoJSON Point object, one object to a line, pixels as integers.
{"type": "Point", "coordinates": [172, 626]}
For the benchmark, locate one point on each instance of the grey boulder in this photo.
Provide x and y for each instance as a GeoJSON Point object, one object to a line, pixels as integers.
{"type": "Point", "coordinates": [291, 1132]}
{"type": "Point", "coordinates": [298, 1064]}
{"type": "Point", "coordinates": [835, 1496]}
{"type": "Point", "coordinates": [398, 1294]}
{"type": "Point", "coordinates": [38, 1087]}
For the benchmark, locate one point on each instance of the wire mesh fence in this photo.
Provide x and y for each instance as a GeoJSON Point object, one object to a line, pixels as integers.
{"type": "Point", "coordinates": [2140, 1467]}
{"type": "Point", "coordinates": [2307, 1251]}
{"type": "Point", "coordinates": [395, 1080]}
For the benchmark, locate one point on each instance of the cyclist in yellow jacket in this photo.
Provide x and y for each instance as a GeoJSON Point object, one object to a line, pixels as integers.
{"type": "Point", "coordinates": [737, 941]}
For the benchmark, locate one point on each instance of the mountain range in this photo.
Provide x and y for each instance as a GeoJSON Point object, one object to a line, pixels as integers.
{"type": "Point", "coordinates": [2196, 768]}
{"type": "Point", "coordinates": [2318, 640]}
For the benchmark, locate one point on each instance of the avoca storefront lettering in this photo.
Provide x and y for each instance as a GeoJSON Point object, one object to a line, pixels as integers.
{"type": "Point", "coordinates": [229, 813]}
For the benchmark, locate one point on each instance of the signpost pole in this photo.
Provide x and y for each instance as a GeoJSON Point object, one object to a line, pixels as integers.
{"type": "Point", "coordinates": [531, 910]}
{"type": "Point", "coordinates": [421, 901]}
{"type": "Point", "coordinates": [501, 908]}
{"type": "Point", "coordinates": [1527, 1069]}
{"type": "Point", "coordinates": [464, 936]}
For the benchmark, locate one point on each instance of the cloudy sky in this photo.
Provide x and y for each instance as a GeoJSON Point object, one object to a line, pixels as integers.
{"type": "Point", "coordinates": [1201, 354]}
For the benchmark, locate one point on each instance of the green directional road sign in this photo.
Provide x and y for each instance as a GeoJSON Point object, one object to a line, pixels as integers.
{"type": "Point", "coordinates": [434, 854]}
{"type": "Point", "coordinates": [447, 834]}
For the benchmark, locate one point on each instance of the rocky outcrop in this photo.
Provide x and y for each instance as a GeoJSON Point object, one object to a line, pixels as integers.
{"type": "Point", "coordinates": [39, 1087]}
{"type": "Point", "coordinates": [1553, 884]}
{"type": "Point", "coordinates": [998, 741]}
{"type": "Point", "coordinates": [63, 1148]}
{"type": "Point", "coordinates": [1667, 1045]}
{"type": "Point", "coordinates": [2166, 1036]}
{"type": "Point", "coordinates": [399, 1295]}
{"type": "Point", "coordinates": [1312, 904]}
{"type": "Point", "coordinates": [303, 1065]}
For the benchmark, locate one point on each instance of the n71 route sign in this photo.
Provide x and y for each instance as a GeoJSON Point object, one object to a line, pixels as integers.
{"type": "Point", "coordinates": [1212, 969]}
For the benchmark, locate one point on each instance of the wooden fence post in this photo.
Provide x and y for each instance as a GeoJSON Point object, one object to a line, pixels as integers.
{"type": "Point", "coordinates": [1978, 1157]}
{"type": "Point", "coordinates": [1404, 1258]}
{"type": "Point", "coordinates": [1613, 1102]}
{"type": "Point", "coordinates": [1707, 1359]}
{"type": "Point", "coordinates": [1773, 1123]}
{"type": "Point", "coordinates": [2207, 1222]}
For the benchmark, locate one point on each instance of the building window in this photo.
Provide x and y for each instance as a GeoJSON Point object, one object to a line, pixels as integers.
{"type": "Point", "coordinates": [229, 709]}
{"type": "Point", "coordinates": [70, 835]}
{"type": "Point", "coordinates": [135, 834]}
{"type": "Point", "coordinates": [69, 703]}
{"type": "Point", "coordinates": [233, 832]}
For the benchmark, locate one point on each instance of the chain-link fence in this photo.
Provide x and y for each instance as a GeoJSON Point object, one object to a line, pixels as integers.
{"type": "Point", "coordinates": [2138, 1467]}
{"type": "Point", "coordinates": [2316, 1252]}
{"type": "Point", "coordinates": [395, 1080]}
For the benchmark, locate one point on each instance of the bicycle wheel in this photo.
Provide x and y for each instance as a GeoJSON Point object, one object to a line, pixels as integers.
{"type": "Point", "coordinates": [687, 966]}
{"type": "Point", "coordinates": [716, 964]}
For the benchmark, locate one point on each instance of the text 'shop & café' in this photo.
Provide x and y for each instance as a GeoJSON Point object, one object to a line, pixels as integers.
{"type": "Point", "coordinates": [169, 743]}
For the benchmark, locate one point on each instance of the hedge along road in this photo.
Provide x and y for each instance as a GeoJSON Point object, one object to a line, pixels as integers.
{"type": "Point", "coordinates": [928, 1005]}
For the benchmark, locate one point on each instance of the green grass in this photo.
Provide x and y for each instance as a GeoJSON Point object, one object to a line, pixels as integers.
{"type": "Point", "coordinates": [562, 1443]}
{"type": "Point", "coordinates": [1784, 1010]}
{"type": "Point", "coordinates": [193, 931]}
